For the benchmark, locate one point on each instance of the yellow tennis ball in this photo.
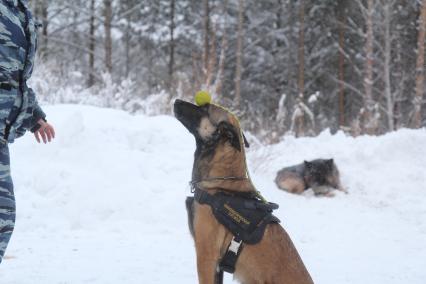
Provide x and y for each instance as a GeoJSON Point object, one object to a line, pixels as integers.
{"type": "Point", "coordinates": [202, 98]}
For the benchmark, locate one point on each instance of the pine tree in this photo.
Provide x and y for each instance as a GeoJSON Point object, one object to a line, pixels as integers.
{"type": "Point", "coordinates": [420, 65]}
{"type": "Point", "coordinates": [239, 52]}
{"type": "Point", "coordinates": [108, 39]}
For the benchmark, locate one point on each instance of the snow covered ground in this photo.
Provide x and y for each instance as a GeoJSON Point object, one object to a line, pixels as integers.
{"type": "Point", "coordinates": [105, 203]}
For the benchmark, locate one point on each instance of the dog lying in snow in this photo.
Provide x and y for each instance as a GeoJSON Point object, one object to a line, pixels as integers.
{"type": "Point", "coordinates": [321, 175]}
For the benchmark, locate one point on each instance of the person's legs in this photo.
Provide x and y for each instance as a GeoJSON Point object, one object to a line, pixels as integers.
{"type": "Point", "coordinates": [7, 201]}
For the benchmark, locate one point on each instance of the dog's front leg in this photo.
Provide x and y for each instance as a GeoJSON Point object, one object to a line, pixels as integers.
{"type": "Point", "coordinates": [206, 267]}
{"type": "Point", "coordinates": [208, 237]}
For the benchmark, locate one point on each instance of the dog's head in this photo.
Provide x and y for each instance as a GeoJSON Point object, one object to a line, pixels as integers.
{"type": "Point", "coordinates": [210, 124]}
{"type": "Point", "coordinates": [319, 172]}
{"type": "Point", "coordinates": [220, 144]}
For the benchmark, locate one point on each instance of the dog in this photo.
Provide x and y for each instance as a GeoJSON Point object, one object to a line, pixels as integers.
{"type": "Point", "coordinates": [220, 153]}
{"type": "Point", "coordinates": [321, 175]}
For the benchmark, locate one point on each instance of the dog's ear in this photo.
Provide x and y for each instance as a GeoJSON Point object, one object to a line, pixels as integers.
{"type": "Point", "coordinates": [246, 143]}
{"type": "Point", "coordinates": [330, 163]}
{"type": "Point", "coordinates": [231, 133]}
{"type": "Point", "coordinates": [308, 165]}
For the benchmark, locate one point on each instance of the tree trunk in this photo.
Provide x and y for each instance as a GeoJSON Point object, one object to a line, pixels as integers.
{"type": "Point", "coordinates": [206, 28]}
{"type": "Point", "coordinates": [223, 46]}
{"type": "Point", "coordinates": [209, 72]}
{"type": "Point", "coordinates": [301, 79]}
{"type": "Point", "coordinates": [290, 52]}
{"type": "Point", "coordinates": [172, 45]}
{"type": "Point", "coordinates": [127, 39]}
{"type": "Point", "coordinates": [40, 12]}
{"type": "Point", "coordinates": [108, 39]}
{"type": "Point", "coordinates": [388, 91]}
{"type": "Point", "coordinates": [239, 52]}
{"type": "Point", "coordinates": [342, 26]}
{"type": "Point", "coordinates": [279, 23]}
{"type": "Point", "coordinates": [221, 67]}
{"type": "Point", "coordinates": [417, 122]}
{"type": "Point", "coordinates": [301, 49]}
{"type": "Point", "coordinates": [45, 22]}
{"type": "Point", "coordinates": [368, 120]}
{"type": "Point", "coordinates": [91, 78]}
{"type": "Point", "coordinates": [279, 79]}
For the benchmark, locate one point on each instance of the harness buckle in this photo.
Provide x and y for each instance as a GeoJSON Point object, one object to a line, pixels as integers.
{"type": "Point", "coordinates": [234, 246]}
{"type": "Point", "coordinates": [192, 185]}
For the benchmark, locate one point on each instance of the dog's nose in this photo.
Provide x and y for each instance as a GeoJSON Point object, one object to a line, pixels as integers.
{"type": "Point", "coordinates": [178, 101]}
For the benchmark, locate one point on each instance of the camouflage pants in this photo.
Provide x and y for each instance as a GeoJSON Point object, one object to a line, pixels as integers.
{"type": "Point", "coordinates": [7, 200]}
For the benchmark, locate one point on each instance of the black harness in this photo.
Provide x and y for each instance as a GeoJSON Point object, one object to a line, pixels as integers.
{"type": "Point", "coordinates": [244, 214]}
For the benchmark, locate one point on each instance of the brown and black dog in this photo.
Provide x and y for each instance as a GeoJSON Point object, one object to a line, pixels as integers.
{"type": "Point", "coordinates": [220, 152]}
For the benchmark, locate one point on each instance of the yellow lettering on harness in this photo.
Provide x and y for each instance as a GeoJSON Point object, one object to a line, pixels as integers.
{"type": "Point", "coordinates": [235, 215]}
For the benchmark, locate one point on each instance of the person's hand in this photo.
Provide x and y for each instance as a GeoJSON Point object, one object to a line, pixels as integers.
{"type": "Point", "coordinates": [46, 132]}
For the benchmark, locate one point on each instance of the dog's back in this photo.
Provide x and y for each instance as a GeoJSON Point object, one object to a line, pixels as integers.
{"type": "Point", "coordinates": [291, 179]}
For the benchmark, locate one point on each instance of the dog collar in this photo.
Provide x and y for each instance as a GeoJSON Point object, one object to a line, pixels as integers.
{"type": "Point", "coordinates": [195, 184]}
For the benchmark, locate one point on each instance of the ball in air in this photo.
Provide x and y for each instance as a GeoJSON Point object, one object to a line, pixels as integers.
{"type": "Point", "coordinates": [202, 98]}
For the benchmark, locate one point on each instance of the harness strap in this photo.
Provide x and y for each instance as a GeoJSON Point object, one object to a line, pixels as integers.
{"type": "Point", "coordinates": [203, 197]}
{"type": "Point", "coordinates": [229, 259]}
{"type": "Point", "coordinates": [219, 276]}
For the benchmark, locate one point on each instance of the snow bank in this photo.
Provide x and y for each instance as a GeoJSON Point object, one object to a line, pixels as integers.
{"type": "Point", "coordinates": [104, 203]}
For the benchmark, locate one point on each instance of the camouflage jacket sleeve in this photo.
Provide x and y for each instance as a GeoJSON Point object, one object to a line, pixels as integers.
{"type": "Point", "coordinates": [38, 114]}
{"type": "Point", "coordinates": [18, 43]}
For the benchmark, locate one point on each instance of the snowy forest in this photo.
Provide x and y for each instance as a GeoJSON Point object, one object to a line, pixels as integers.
{"type": "Point", "coordinates": [285, 66]}
{"type": "Point", "coordinates": [336, 83]}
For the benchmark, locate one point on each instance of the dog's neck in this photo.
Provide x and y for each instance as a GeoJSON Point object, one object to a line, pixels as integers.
{"type": "Point", "coordinates": [223, 161]}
